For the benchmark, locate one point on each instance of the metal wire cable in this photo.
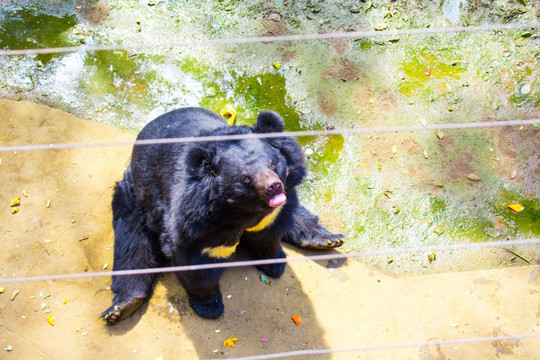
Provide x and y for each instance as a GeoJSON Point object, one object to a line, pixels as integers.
{"type": "Point", "coordinates": [389, 347]}
{"type": "Point", "coordinates": [350, 131]}
{"type": "Point", "coordinates": [274, 39]}
{"type": "Point", "coordinates": [384, 252]}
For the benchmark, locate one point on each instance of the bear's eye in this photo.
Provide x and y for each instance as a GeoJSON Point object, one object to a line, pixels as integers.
{"type": "Point", "coordinates": [246, 179]}
{"type": "Point", "coordinates": [273, 166]}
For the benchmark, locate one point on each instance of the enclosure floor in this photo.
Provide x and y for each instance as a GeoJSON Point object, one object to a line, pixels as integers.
{"type": "Point", "coordinates": [64, 225]}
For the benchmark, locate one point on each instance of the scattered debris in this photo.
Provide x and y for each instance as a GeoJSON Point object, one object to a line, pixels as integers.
{"type": "Point", "coordinates": [265, 279]}
{"type": "Point", "coordinates": [9, 348]}
{"type": "Point", "coordinates": [2, 290]}
{"type": "Point", "coordinates": [440, 134]}
{"type": "Point", "coordinates": [264, 340]}
{"type": "Point", "coordinates": [14, 294]}
{"type": "Point", "coordinates": [525, 89]}
{"type": "Point", "coordinates": [432, 257]}
{"type": "Point", "coordinates": [517, 208]}
{"type": "Point", "coordinates": [493, 233]}
{"type": "Point", "coordinates": [239, 312]}
{"type": "Point", "coordinates": [15, 210]}
{"type": "Point", "coordinates": [277, 65]}
{"type": "Point", "coordinates": [230, 342]}
{"type": "Point", "coordinates": [297, 319]}
{"type": "Point", "coordinates": [15, 201]}
{"type": "Point", "coordinates": [230, 112]}
{"type": "Point", "coordinates": [50, 320]}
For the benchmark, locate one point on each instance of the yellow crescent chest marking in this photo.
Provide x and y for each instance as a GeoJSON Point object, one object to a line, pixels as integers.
{"type": "Point", "coordinates": [266, 221]}
{"type": "Point", "coordinates": [220, 252]}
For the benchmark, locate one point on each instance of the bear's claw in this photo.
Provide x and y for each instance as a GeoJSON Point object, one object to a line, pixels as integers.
{"type": "Point", "coordinates": [121, 311]}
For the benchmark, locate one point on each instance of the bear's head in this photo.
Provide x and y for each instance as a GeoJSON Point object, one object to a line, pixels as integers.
{"type": "Point", "coordinates": [250, 177]}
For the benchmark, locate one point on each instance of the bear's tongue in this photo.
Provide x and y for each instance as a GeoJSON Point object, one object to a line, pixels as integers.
{"type": "Point", "coordinates": [277, 200]}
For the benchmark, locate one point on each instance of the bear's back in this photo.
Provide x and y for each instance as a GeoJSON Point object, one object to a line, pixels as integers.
{"type": "Point", "coordinates": [184, 122]}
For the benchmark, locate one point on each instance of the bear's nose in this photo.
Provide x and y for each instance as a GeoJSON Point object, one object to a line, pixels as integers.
{"type": "Point", "coordinates": [274, 189]}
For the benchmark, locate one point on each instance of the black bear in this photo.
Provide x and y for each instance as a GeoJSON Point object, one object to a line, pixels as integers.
{"type": "Point", "coordinates": [193, 203]}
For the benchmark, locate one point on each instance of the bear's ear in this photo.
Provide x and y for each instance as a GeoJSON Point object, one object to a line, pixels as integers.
{"type": "Point", "coordinates": [267, 122]}
{"type": "Point", "coordinates": [200, 160]}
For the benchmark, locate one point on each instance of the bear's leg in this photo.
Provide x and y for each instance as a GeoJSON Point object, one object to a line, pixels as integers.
{"type": "Point", "coordinates": [132, 250]}
{"type": "Point", "coordinates": [307, 233]}
{"type": "Point", "coordinates": [202, 287]}
{"type": "Point", "coordinates": [265, 245]}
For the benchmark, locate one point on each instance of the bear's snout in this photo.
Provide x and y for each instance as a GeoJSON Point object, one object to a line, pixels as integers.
{"type": "Point", "coordinates": [274, 189]}
{"type": "Point", "coordinates": [270, 188]}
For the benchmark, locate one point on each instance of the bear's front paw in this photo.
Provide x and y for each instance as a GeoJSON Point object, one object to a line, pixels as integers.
{"type": "Point", "coordinates": [211, 309]}
{"type": "Point", "coordinates": [322, 240]}
{"type": "Point", "coordinates": [122, 310]}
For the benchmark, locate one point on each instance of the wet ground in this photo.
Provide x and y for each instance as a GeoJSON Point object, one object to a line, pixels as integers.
{"type": "Point", "coordinates": [381, 190]}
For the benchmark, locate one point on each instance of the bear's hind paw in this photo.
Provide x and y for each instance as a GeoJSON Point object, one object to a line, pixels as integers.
{"type": "Point", "coordinates": [274, 271]}
{"type": "Point", "coordinates": [121, 311]}
{"type": "Point", "coordinates": [211, 309]}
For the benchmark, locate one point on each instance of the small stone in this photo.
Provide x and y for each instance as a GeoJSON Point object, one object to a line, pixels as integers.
{"type": "Point", "coordinates": [473, 177]}
{"type": "Point", "coordinates": [493, 233]}
{"type": "Point", "coordinates": [525, 89]}
{"type": "Point", "coordinates": [440, 134]}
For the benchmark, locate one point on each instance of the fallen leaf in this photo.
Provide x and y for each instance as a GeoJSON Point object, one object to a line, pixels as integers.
{"type": "Point", "coordinates": [230, 342]}
{"type": "Point", "coordinates": [230, 112]}
{"type": "Point", "coordinates": [440, 134]}
{"type": "Point", "coordinates": [14, 294]}
{"type": "Point", "coordinates": [516, 207]}
{"type": "Point", "coordinates": [297, 319]}
{"type": "Point", "coordinates": [50, 320]}
{"type": "Point", "coordinates": [15, 201]}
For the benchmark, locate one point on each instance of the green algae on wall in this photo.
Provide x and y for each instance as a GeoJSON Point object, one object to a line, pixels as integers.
{"type": "Point", "coordinates": [26, 29]}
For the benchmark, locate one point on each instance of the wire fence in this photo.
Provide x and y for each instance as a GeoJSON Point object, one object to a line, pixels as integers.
{"type": "Point", "coordinates": [351, 131]}
{"type": "Point", "coordinates": [389, 347]}
{"type": "Point", "coordinates": [223, 265]}
{"type": "Point", "coordinates": [274, 39]}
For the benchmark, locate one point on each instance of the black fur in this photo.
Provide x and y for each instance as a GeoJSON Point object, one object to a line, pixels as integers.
{"type": "Point", "coordinates": [176, 200]}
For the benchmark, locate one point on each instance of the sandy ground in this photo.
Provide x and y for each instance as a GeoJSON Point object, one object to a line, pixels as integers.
{"type": "Point", "coordinates": [64, 225]}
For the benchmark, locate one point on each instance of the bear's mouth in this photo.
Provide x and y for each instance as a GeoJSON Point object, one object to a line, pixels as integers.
{"type": "Point", "coordinates": [277, 200]}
